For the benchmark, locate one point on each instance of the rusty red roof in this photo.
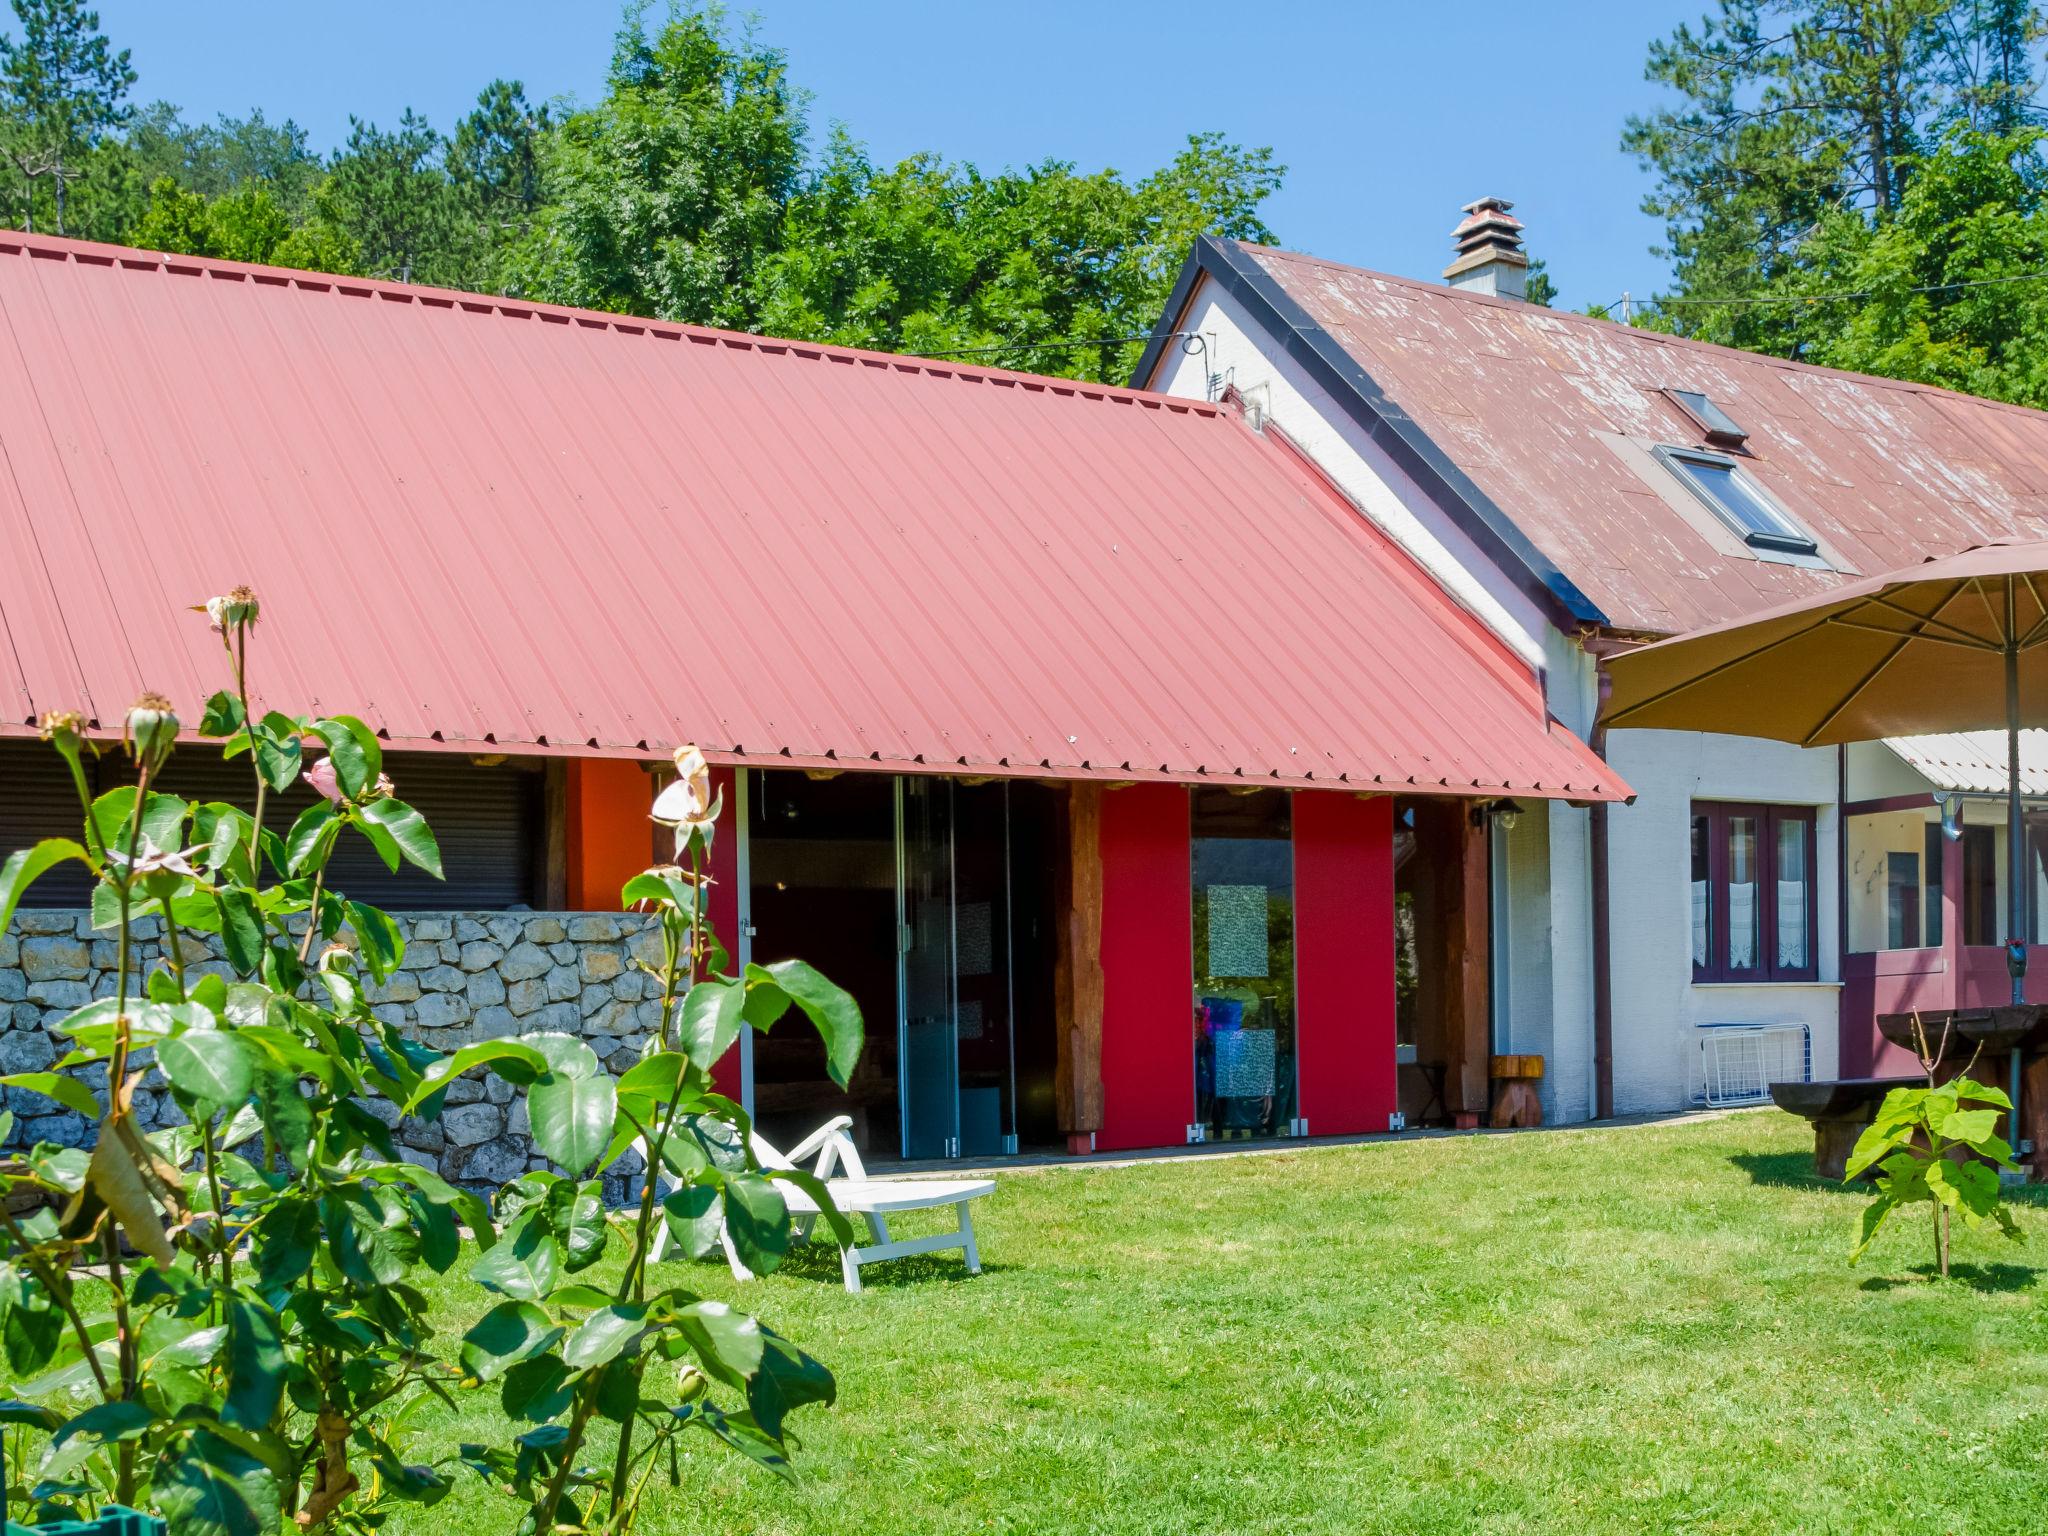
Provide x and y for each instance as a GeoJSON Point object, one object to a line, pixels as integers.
{"type": "Point", "coordinates": [1526, 402]}
{"type": "Point", "coordinates": [504, 526]}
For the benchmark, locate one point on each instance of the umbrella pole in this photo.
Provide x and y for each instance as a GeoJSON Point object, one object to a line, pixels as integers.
{"type": "Point", "coordinates": [2019, 868]}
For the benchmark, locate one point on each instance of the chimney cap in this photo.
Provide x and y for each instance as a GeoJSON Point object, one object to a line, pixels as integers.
{"type": "Point", "coordinates": [1490, 257]}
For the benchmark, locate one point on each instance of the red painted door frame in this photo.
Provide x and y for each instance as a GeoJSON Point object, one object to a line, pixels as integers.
{"type": "Point", "coordinates": [1148, 968]}
{"type": "Point", "coordinates": [1344, 961]}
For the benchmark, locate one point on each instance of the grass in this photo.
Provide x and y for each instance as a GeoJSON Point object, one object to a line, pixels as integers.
{"type": "Point", "coordinates": [1638, 1329]}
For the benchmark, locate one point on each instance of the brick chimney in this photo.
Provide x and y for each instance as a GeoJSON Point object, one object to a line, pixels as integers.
{"type": "Point", "coordinates": [1490, 258]}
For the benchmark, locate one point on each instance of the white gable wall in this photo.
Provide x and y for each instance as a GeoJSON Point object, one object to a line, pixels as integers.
{"type": "Point", "coordinates": [1657, 1004]}
{"type": "Point", "coordinates": [1548, 858]}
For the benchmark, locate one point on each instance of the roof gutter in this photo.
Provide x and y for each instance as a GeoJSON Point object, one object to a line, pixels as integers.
{"type": "Point", "coordinates": [1376, 413]}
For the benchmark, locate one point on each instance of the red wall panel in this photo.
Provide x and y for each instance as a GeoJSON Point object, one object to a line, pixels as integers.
{"type": "Point", "coordinates": [1344, 961]}
{"type": "Point", "coordinates": [1148, 967]}
{"type": "Point", "coordinates": [610, 838]}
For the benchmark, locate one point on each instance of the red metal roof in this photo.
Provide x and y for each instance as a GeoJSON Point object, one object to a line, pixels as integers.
{"type": "Point", "coordinates": [510, 527]}
{"type": "Point", "coordinates": [1884, 472]}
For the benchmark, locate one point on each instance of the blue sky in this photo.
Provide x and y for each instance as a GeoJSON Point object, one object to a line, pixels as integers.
{"type": "Point", "coordinates": [1387, 115]}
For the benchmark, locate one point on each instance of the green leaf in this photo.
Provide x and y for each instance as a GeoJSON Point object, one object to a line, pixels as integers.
{"type": "Point", "coordinates": [22, 869]}
{"type": "Point", "coordinates": [223, 715]}
{"type": "Point", "coordinates": [287, 1115]}
{"type": "Point", "coordinates": [256, 1365]}
{"type": "Point", "coordinates": [831, 1009]}
{"type": "Point", "coordinates": [370, 1235]}
{"type": "Point", "coordinates": [572, 1118]}
{"type": "Point", "coordinates": [1968, 1124]}
{"type": "Point", "coordinates": [788, 1378]}
{"type": "Point", "coordinates": [68, 1091]}
{"type": "Point", "coordinates": [566, 1055]}
{"type": "Point", "coordinates": [408, 829]}
{"type": "Point", "coordinates": [821, 1196]}
{"type": "Point", "coordinates": [727, 1342]}
{"type": "Point", "coordinates": [100, 1425]}
{"type": "Point", "coordinates": [1979, 1093]}
{"type": "Point", "coordinates": [290, 1237]}
{"type": "Point", "coordinates": [33, 1415]}
{"type": "Point", "coordinates": [352, 745]}
{"type": "Point", "coordinates": [710, 1020]}
{"type": "Point", "coordinates": [213, 1488]}
{"type": "Point", "coordinates": [378, 937]}
{"type": "Point", "coordinates": [537, 1389]}
{"type": "Point", "coordinates": [525, 1262]}
{"type": "Point", "coordinates": [279, 756]}
{"type": "Point", "coordinates": [312, 835]}
{"type": "Point", "coordinates": [209, 1065]}
{"type": "Point", "coordinates": [1874, 1215]}
{"type": "Point", "coordinates": [513, 1060]}
{"type": "Point", "coordinates": [241, 929]}
{"type": "Point", "coordinates": [510, 1332]}
{"type": "Point", "coordinates": [694, 1215]}
{"type": "Point", "coordinates": [1872, 1146]}
{"type": "Point", "coordinates": [163, 818]}
{"type": "Point", "coordinates": [603, 1334]}
{"type": "Point", "coordinates": [576, 1211]}
{"type": "Point", "coordinates": [758, 1219]}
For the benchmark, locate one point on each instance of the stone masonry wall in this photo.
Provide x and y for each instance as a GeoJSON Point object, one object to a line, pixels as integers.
{"type": "Point", "coordinates": [467, 976]}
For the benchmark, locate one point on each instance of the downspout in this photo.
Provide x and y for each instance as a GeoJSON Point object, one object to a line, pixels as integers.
{"type": "Point", "coordinates": [1603, 975]}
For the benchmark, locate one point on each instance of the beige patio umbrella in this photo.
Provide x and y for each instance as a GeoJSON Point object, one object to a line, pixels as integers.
{"type": "Point", "coordinates": [1953, 644]}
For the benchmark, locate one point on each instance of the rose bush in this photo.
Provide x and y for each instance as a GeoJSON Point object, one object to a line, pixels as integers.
{"type": "Point", "coordinates": [219, 1321]}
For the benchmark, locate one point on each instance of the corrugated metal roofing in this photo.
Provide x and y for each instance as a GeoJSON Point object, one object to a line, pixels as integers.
{"type": "Point", "coordinates": [476, 521]}
{"type": "Point", "coordinates": [1884, 472]}
{"type": "Point", "coordinates": [1975, 760]}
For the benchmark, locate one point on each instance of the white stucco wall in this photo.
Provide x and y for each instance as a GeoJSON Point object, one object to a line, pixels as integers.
{"type": "Point", "coordinates": [1656, 1002]}
{"type": "Point", "coordinates": [1549, 865]}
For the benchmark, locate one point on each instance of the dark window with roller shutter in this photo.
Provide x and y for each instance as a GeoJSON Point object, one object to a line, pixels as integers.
{"type": "Point", "coordinates": [487, 821]}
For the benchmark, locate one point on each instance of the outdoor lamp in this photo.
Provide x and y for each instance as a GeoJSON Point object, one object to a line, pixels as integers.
{"type": "Point", "coordinates": [1506, 813]}
{"type": "Point", "coordinates": [1951, 804]}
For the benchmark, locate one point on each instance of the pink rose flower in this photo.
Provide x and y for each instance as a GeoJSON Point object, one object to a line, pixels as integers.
{"type": "Point", "coordinates": [321, 777]}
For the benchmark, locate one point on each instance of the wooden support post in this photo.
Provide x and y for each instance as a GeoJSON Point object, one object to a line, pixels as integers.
{"type": "Point", "coordinates": [1077, 977]}
{"type": "Point", "coordinates": [553, 882]}
{"type": "Point", "coordinates": [1468, 1032]}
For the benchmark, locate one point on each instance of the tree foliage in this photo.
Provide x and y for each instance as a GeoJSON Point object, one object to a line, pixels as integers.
{"type": "Point", "coordinates": [691, 189]}
{"type": "Point", "coordinates": [1857, 183]}
{"type": "Point", "coordinates": [63, 89]}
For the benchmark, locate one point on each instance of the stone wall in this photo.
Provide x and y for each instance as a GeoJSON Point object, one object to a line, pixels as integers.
{"type": "Point", "coordinates": [467, 976]}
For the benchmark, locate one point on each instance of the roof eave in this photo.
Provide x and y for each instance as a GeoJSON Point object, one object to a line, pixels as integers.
{"type": "Point", "coordinates": [1379, 416]}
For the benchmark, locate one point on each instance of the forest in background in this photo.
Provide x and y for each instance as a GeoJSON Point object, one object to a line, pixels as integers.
{"type": "Point", "coordinates": [694, 189]}
{"type": "Point", "coordinates": [1859, 183]}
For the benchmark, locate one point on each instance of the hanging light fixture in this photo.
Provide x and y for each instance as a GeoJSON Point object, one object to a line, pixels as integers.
{"type": "Point", "coordinates": [1951, 803]}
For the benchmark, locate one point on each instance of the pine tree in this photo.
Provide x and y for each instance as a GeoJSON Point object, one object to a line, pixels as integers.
{"type": "Point", "coordinates": [62, 89]}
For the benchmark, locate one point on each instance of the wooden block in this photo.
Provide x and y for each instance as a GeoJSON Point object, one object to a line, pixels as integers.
{"type": "Point", "coordinates": [1529, 1068]}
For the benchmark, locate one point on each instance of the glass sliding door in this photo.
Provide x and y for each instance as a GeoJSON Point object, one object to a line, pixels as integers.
{"type": "Point", "coordinates": [929, 1059]}
{"type": "Point", "coordinates": [1243, 852]}
{"type": "Point", "coordinates": [984, 987]}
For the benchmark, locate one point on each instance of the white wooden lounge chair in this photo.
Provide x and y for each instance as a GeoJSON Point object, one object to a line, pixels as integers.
{"type": "Point", "coordinates": [859, 1197]}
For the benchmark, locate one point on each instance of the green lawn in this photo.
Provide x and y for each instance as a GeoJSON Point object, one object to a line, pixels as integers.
{"type": "Point", "coordinates": [1641, 1329]}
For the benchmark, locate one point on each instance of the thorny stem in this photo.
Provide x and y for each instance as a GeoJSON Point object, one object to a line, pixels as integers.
{"type": "Point", "coordinates": [635, 1278]}
{"type": "Point", "coordinates": [223, 1240]}
{"type": "Point", "coordinates": [312, 915]}
{"type": "Point", "coordinates": [174, 954]}
{"type": "Point", "coordinates": [586, 1402]}
{"type": "Point", "coordinates": [124, 1461]}
{"type": "Point", "coordinates": [240, 658]}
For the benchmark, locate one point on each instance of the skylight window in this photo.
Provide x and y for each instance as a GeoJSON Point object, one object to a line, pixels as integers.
{"type": "Point", "coordinates": [1738, 501]}
{"type": "Point", "coordinates": [1715, 424]}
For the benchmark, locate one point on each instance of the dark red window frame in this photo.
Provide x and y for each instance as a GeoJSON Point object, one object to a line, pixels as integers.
{"type": "Point", "coordinates": [1770, 819]}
